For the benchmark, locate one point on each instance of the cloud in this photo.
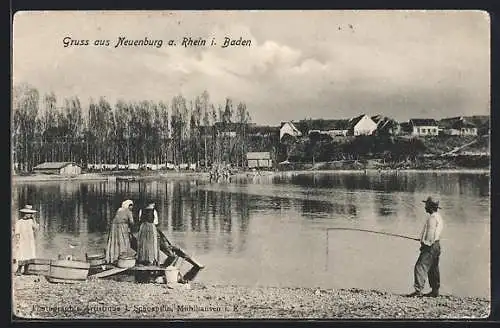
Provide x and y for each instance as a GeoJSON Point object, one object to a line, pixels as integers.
{"type": "Point", "coordinates": [299, 64]}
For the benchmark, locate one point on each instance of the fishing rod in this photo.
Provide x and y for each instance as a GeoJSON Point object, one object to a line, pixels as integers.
{"type": "Point", "coordinates": [362, 230]}
{"type": "Point", "coordinates": [377, 232]}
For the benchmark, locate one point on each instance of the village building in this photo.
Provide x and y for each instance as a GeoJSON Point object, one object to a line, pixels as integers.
{"type": "Point", "coordinates": [362, 125]}
{"type": "Point", "coordinates": [386, 126]}
{"type": "Point", "coordinates": [259, 160]}
{"type": "Point", "coordinates": [333, 128]}
{"type": "Point", "coordinates": [458, 126]}
{"type": "Point", "coordinates": [357, 126]}
{"type": "Point", "coordinates": [423, 127]}
{"type": "Point", "coordinates": [289, 129]}
{"type": "Point", "coordinates": [62, 168]}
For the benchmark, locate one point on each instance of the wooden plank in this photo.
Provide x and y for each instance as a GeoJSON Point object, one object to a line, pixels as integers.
{"type": "Point", "coordinates": [167, 250]}
{"type": "Point", "coordinates": [147, 268]}
{"type": "Point", "coordinates": [191, 274]}
{"type": "Point", "coordinates": [108, 273]}
{"type": "Point", "coordinates": [167, 245]}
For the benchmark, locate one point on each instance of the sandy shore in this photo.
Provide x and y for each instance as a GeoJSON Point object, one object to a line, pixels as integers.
{"type": "Point", "coordinates": [35, 297]}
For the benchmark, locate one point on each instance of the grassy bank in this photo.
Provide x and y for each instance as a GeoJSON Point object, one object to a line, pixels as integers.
{"type": "Point", "coordinates": [34, 297]}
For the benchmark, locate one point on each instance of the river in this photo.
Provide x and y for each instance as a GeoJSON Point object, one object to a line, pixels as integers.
{"type": "Point", "coordinates": [272, 230]}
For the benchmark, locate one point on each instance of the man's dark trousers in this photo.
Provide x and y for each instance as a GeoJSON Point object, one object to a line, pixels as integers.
{"type": "Point", "coordinates": [427, 266]}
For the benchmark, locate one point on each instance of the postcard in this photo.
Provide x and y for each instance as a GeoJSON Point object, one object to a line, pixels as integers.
{"type": "Point", "coordinates": [251, 164]}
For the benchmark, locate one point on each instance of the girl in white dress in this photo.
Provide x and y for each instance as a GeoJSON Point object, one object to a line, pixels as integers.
{"type": "Point", "coordinates": [25, 248]}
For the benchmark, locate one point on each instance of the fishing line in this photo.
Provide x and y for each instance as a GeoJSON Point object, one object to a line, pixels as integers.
{"type": "Point", "coordinates": [377, 232]}
{"type": "Point", "coordinates": [362, 230]}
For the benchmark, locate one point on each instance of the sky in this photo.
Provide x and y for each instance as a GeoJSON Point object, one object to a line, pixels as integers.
{"type": "Point", "coordinates": [300, 64]}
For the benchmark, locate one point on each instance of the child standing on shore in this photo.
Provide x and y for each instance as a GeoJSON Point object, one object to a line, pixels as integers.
{"type": "Point", "coordinates": [25, 248]}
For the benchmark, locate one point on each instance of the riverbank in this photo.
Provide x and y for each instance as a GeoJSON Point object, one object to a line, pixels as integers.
{"type": "Point", "coordinates": [134, 176]}
{"type": "Point", "coordinates": [35, 297]}
{"type": "Point", "coordinates": [125, 176]}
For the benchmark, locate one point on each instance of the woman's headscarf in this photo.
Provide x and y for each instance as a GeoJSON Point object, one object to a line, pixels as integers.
{"type": "Point", "coordinates": [127, 203]}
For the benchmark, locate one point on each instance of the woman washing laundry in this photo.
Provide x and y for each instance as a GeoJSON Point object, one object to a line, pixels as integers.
{"type": "Point", "coordinates": [119, 233]}
{"type": "Point", "coordinates": [24, 237]}
{"type": "Point", "coordinates": [147, 239]}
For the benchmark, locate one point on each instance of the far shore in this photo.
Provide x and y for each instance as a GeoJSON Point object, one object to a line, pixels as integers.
{"type": "Point", "coordinates": [161, 175]}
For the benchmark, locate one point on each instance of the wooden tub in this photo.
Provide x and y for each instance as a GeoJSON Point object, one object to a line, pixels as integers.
{"type": "Point", "coordinates": [38, 267]}
{"type": "Point", "coordinates": [96, 260]}
{"type": "Point", "coordinates": [68, 271]}
{"type": "Point", "coordinates": [126, 261]}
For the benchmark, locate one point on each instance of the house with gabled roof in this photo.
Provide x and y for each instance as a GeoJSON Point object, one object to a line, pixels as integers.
{"type": "Point", "coordinates": [458, 126]}
{"type": "Point", "coordinates": [386, 126]}
{"type": "Point", "coordinates": [289, 129]}
{"type": "Point", "coordinates": [422, 127]}
{"type": "Point", "coordinates": [63, 168]}
{"type": "Point", "coordinates": [361, 125]}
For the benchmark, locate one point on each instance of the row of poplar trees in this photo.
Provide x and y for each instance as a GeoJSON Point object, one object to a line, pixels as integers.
{"type": "Point", "coordinates": [126, 132]}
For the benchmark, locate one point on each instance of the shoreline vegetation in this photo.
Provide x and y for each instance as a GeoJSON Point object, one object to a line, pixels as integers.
{"type": "Point", "coordinates": [35, 297]}
{"type": "Point", "coordinates": [199, 131]}
{"type": "Point", "coordinates": [161, 175]}
{"type": "Point", "coordinates": [126, 175]}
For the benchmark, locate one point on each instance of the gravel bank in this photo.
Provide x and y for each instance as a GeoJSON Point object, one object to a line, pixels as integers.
{"type": "Point", "coordinates": [35, 297]}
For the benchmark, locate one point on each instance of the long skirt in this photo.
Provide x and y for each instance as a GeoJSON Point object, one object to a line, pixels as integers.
{"type": "Point", "coordinates": [118, 242]}
{"type": "Point", "coordinates": [147, 244]}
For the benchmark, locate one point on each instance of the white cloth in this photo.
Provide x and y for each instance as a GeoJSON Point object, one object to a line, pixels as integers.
{"type": "Point", "coordinates": [155, 220]}
{"type": "Point", "coordinates": [25, 239]}
{"type": "Point", "coordinates": [432, 229]}
{"type": "Point", "coordinates": [127, 203]}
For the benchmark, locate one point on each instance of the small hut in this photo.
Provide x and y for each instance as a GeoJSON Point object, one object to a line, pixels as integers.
{"type": "Point", "coordinates": [259, 160]}
{"type": "Point", "coordinates": [62, 168]}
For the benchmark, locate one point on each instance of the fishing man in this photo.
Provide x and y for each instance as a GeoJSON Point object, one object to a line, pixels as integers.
{"type": "Point", "coordinates": [427, 265]}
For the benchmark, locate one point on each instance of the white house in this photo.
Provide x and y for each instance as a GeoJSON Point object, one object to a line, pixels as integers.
{"type": "Point", "coordinates": [290, 129]}
{"type": "Point", "coordinates": [362, 125]}
{"type": "Point", "coordinates": [458, 126]}
{"type": "Point", "coordinates": [423, 127]}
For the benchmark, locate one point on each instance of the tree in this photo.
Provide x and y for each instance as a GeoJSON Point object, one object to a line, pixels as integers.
{"type": "Point", "coordinates": [243, 118]}
{"type": "Point", "coordinates": [205, 99]}
{"type": "Point", "coordinates": [73, 121]}
{"type": "Point", "coordinates": [214, 134]}
{"type": "Point", "coordinates": [226, 119]}
{"type": "Point", "coordinates": [164, 130]}
{"type": "Point", "coordinates": [179, 112]}
{"type": "Point", "coordinates": [25, 107]}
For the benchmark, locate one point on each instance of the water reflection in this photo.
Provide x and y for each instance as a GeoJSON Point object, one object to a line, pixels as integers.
{"type": "Point", "coordinates": [443, 183]}
{"type": "Point", "coordinates": [86, 208]}
{"type": "Point", "coordinates": [249, 230]}
{"type": "Point", "coordinates": [81, 208]}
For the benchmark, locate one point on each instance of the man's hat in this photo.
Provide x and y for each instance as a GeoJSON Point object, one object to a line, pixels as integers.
{"type": "Point", "coordinates": [150, 206]}
{"type": "Point", "coordinates": [28, 209]}
{"type": "Point", "coordinates": [431, 201]}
